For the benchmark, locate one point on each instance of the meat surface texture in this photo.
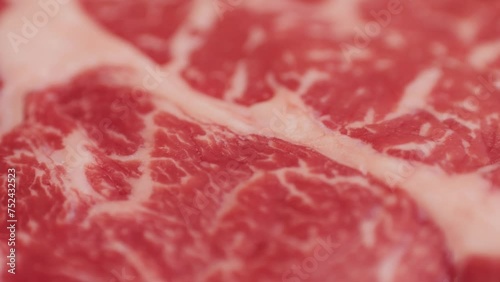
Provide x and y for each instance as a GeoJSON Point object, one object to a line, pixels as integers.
{"type": "Point", "coordinates": [238, 140]}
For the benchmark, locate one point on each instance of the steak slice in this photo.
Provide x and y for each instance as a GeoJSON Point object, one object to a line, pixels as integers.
{"type": "Point", "coordinates": [109, 188]}
{"type": "Point", "coordinates": [236, 141]}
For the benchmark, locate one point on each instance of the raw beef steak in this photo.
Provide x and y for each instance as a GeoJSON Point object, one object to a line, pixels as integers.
{"type": "Point", "coordinates": [232, 140]}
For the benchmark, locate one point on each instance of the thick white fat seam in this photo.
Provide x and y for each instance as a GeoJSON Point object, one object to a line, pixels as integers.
{"type": "Point", "coordinates": [343, 13]}
{"type": "Point", "coordinates": [462, 205]}
{"type": "Point", "coordinates": [442, 195]}
{"type": "Point", "coordinates": [134, 258]}
{"type": "Point", "coordinates": [74, 158]}
{"type": "Point", "coordinates": [239, 83]}
{"type": "Point", "coordinates": [485, 54]}
{"type": "Point", "coordinates": [467, 29]}
{"type": "Point", "coordinates": [416, 93]}
{"type": "Point", "coordinates": [423, 148]}
{"type": "Point", "coordinates": [202, 18]}
{"type": "Point", "coordinates": [389, 265]}
{"type": "Point", "coordinates": [67, 44]}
